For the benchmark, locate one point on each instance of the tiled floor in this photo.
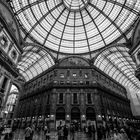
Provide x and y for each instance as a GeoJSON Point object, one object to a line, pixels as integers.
{"type": "Point", "coordinates": [19, 135]}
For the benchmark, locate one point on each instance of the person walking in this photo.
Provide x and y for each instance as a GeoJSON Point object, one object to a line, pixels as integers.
{"type": "Point", "coordinates": [33, 130]}
{"type": "Point", "coordinates": [111, 135]}
{"type": "Point", "coordinates": [60, 132]}
{"type": "Point", "coordinates": [117, 135]}
{"type": "Point", "coordinates": [99, 133]}
{"type": "Point", "coordinates": [65, 131]}
{"type": "Point", "coordinates": [93, 132]}
{"type": "Point", "coordinates": [89, 131]}
{"type": "Point", "coordinates": [47, 132]}
{"type": "Point", "coordinates": [1, 129]}
{"type": "Point", "coordinates": [28, 133]}
{"type": "Point", "coordinates": [72, 130]}
{"type": "Point", "coordinates": [138, 135]}
{"type": "Point", "coordinates": [123, 135]}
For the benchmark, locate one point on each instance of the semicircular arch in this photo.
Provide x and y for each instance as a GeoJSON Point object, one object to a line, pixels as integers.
{"type": "Point", "coordinates": [34, 61]}
{"type": "Point", "coordinates": [60, 113]}
{"type": "Point", "coordinates": [117, 63]}
{"type": "Point", "coordinates": [11, 22]}
{"type": "Point", "coordinates": [76, 59]}
{"type": "Point", "coordinates": [40, 46]}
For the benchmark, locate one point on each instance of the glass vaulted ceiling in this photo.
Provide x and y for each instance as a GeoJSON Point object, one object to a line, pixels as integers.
{"type": "Point", "coordinates": [117, 63]}
{"type": "Point", "coordinates": [34, 61]}
{"type": "Point", "coordinates": [76, 26]}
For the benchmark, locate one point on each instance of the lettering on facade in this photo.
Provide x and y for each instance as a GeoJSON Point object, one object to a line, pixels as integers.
{"type": "Point", "coordinates": [74, 62]}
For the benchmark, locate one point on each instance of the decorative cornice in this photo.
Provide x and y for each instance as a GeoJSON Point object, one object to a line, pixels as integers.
{"type": "Point", "coordinates": [6, 64]}
{"type": "Point", "coordinates": [9, 27]}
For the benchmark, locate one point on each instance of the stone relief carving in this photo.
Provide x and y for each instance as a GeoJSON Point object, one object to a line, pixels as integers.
{"type": "Point", "coordinates": [138, 36]}
{"type": "Point", "coordinates": [5, 13]}
{"type": "Point", "coordinates": [13, 54]}
{"type": "Point", "coordinates": [11, 26]}
{"type": "Point", "coordinates": [3, 41]}
{"type": "Point", "coordinates": [138, 55]}
{"type": "Point", "coordinates": [74, 62]}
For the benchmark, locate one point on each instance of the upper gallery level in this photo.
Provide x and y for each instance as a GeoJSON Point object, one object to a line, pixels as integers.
{"type": "Point", "coordinates": [73, 72]}
{"type": "Point", "coordinates": [10, 40]}
{"type": "Point", "coordinates": [135, 50]}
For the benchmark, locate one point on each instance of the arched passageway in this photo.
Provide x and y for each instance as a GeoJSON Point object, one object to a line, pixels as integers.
{"type": "Point", "coordinates": [90, 114]}
{"type": "Point", "coordinates": [60, 114]}
{"type": "Point", "coordinates": [75, 114]}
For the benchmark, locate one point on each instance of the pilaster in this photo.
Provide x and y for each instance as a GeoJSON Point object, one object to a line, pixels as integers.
{"type": "Point", "coordinates": [7, 90]}
{"type": "Point", "coordinates": [1, 79]}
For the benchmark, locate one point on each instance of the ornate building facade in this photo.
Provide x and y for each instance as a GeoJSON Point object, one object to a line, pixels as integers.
{"type": "Point", "coordinates": [135, 50]}
{"type": "Point", "coordinates": [10, 52]}
{"type": "Point", "coordinates": [70, 62]}
{"type": "Point", "coordinates": [72, 91]}
{"type": "Point", "coordinates": [135, 54]}
{"type": "Point", "coordinates": [10, 106]}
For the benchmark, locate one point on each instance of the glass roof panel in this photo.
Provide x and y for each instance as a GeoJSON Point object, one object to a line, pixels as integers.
{"type": "Point", "coordinates": [75, 27]}
{"type": "Point", "coordinates": [34, 61]}
{"type": "Point", "coordinates": [114, 61]}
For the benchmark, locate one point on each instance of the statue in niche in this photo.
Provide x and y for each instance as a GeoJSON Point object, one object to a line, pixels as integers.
{"type": "Point", "coordinates": [138, 36]}
{"type": "Point", "coordinates": [72, 61]}
{"type": "Point", "coordinates": [79, 62]}
{"type": "Point", "coordinates": [1, 28]}
{"type": "Point", "coordinates": [76, 61]}
{"type": "Point", "coordinates": [13, 54]}
{"type": "Point", "coordinates": [138, 56]}
{"type": "Point", "coordinates": [134, 59]}
{"type": "Point", "coordinates": [10, 25]}
{"type": "Point", "coordinates": [7, 17]}
{"type": "Point", "coordinates": [0, 74]}
{"type": "Point", "coordinates": [10, 47]}
{"type": "Point", "coordinates": [3, 41]}
{"type": "Point", "coordinates": [1, 13]}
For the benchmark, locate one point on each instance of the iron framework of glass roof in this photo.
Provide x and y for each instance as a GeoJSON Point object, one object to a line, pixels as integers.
{"type": "Point", "coordinates": [117, 63]}
{"type": "Point", "coordinates": [34, 61]}
{"type": "Point", "coordinates": [76, 26]}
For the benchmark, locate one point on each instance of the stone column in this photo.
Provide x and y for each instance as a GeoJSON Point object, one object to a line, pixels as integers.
{"type": "Point", "coordinates": [1, 95]}
{"type": "Point", "coordinates": [1, 80]}
{"type": "Point", "coordinates": [1, 28]}
{"type": "Point", "coordinates": [83, 108]}
{"type": "Point", "coordinates": [53, 100]}
{"type": "Point", "coordinates": [68, 108]}
{"type": "Point", "coordinates": [7, 90]}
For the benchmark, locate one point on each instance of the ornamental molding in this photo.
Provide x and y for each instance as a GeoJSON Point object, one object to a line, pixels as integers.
{"type": "Point", "coordinates": [7, 16]}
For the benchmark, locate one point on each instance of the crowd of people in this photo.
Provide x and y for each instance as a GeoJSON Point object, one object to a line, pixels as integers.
{"type": "Point", "coordinates": [117, 133]}
{"type": "Point", "coordinates": [101, 133]}
{"type": "Point", "coordinates": [62, 132]}
{"type": "Point", "coordinates": [93, 132]}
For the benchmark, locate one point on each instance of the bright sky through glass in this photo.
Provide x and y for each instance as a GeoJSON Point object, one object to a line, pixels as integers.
{"type": "Point", "coordinates": [76, 26]}
{"type": "Point", "coordinates": [117, 63]}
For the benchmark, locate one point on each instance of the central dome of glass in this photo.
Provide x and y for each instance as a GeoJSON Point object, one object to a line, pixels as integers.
{"type": "Point", "coordinates": [75, 5]}
{"type": "Point", "coordinates": [76, 26]}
